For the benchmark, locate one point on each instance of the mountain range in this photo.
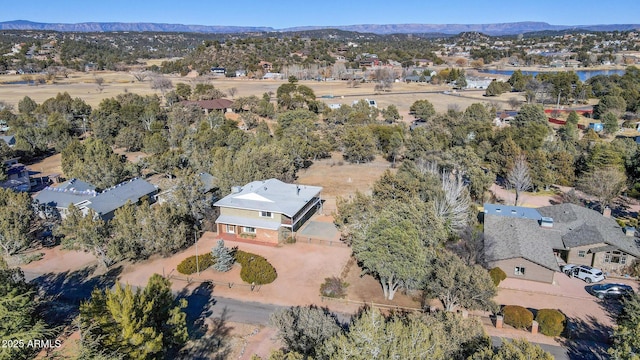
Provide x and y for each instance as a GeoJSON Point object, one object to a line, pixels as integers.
{"type": "Point", "coordinates": [489, 29]}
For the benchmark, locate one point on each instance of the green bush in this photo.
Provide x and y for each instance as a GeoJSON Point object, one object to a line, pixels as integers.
{"type": "Point", "coordinates": [334, 287]}
{"type": "Point", "coordinates": [255, 269]}
{"type": "Point", "coordinates": [551, 321]}
{"type": "Point", "coordinates": [188, 265]}
{"type": "Point", "coordinates": [517, 316]}
{"type": "Point", "coordinates": [497, 275]}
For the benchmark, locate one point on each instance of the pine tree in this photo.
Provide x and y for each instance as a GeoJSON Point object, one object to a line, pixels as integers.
{"type": "Point", "coordinates": [224, 257]}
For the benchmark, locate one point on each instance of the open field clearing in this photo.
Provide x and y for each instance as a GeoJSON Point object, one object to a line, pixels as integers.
{"type": "Point", "coordinates": [84, 86]}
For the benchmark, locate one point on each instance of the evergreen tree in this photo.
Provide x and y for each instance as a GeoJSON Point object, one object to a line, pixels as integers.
{"type": "Point", "coordinates": [141, 324]}
{"type": "Point", "coordinates": [223, 257]}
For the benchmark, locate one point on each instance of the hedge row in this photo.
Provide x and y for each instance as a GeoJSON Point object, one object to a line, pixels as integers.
{"type": "Point", "coordinates": [551, 322]}
{"type": "Point", "coordinates": [188, 265]}
{"type": "Point", "coordinates": [255, 269]}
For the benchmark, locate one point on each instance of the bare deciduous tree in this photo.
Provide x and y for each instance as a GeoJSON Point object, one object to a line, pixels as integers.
{"type": "Point", "coordinates": [161, 83]}
{"type": "Point", "coordinates": [603, 183]}
{"type": "Point", "coordinates": [100, 82]}
{"type": "Point", "coordinates": [232, 92]}
{"type": "Point", "coordinates": [514, 103]}
{"type": "Point", "coordinates": [519, 178]}
{"type": "Point", "coordinates": [140, 76]}
{"type": "Point", "coordinates": [452, 206]}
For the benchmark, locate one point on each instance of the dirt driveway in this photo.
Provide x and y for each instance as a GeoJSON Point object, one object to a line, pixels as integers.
{"type": "Point", "coordinates": [589, 317]}
{"type": "Point", "coordinates": [301, 270]}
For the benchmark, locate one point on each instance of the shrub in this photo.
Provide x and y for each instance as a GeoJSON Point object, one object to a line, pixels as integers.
{"type": "Point", "coordinates": [334, 287]}
{"type": "Point", "coordinates": [255, 269]}
{"type": "Point", "coordinates": [551, 321]}
{"type": "Point", "coordinates": [517, 316]}
{"type": "Point", "coordinates": [188, 265]}
{"type": "Point", "coordinates": [497, 275]}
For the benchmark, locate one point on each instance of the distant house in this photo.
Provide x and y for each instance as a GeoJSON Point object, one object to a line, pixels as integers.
{"type": "Point", "coordinates": [18, 178]}
{"type": "Point", "coordinates": [3, 126]}
{"type": "Point", "coordinates": [273, 76]}
{"type": "Point", "coordinates": [532, 243]}
{"type": "Point", "coordinates": [218, 70]}
{"type": "Point", "coordinates": [10, 140]}
{"type": "Point", "coordinates": [478, 83]}
{"type": "Point", "coordinates": [85, 197]}
{"type": "Point", "coordinates": [222, 105]}
{"type": "Point", "coordinates": [417, 78]}
{"type": "Point", "coordinates": [266, 211]}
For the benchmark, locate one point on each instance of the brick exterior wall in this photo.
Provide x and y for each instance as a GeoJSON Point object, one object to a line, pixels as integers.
{"type": "Point", "coordinates": [262, 236]}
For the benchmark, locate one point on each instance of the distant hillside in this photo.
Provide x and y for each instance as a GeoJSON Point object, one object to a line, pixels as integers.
{"type": "Point", "coordinates": [489, 29]}
{"type": "Point", "coordinates": [134, 27]}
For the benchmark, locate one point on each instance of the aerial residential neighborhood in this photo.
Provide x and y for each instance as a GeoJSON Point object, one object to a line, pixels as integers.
{"type": "Point", "coordinates": [407, 191]}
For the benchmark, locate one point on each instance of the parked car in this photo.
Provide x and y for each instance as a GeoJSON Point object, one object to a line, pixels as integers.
{"type": "Point", "coordinates": [610, 290]}
{"type": "Point", "coordinates": [584, 272]}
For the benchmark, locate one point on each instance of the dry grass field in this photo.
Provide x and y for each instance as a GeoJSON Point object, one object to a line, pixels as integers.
{"type": "Point", "coordinates": [84, 86]}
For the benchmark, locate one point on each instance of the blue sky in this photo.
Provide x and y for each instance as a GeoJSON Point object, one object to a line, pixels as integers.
{"type": "Point", "coordinates": [288, 13]}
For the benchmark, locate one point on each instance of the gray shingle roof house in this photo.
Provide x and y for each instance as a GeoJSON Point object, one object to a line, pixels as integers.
{"type": "Point", "coordinates": [266, 211]}
{"type": "Point", "coordinates": [85, 197]}
{"type": "Point", "coordinates": [530, 243]}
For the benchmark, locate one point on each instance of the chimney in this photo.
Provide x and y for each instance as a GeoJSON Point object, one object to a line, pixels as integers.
{"type": "Point", "coordinates": [236, 189]}
{"type": "Point", "coordinates": [546, 222]}
{"type": "Point", "coordinates": [607, 212]}
{"type": "Point", "coordinates": [630, 231]}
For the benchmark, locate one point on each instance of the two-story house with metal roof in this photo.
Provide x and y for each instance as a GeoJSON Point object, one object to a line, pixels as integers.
{"type": "Point", "coordinates": [266, 211]}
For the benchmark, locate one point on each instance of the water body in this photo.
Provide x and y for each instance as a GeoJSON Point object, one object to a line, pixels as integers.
{"type": "Point", "coordinates": [584, 75]}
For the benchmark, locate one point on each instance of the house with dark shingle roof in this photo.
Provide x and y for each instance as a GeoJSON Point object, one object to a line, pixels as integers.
{"type": "Point", "coordinates": [85, 197]}
{"type": "Point", "coordinates": [266, 211]}
{"type": "Point", "coordinates": [532, 243]}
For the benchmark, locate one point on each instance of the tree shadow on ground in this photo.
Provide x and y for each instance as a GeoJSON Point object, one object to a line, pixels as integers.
{"type": "Point", "coordinates": [62, 293]}
{"type": "Point", "coordinates": [207, 335]}
{"type": "Point", "coordinates": [586, 338]}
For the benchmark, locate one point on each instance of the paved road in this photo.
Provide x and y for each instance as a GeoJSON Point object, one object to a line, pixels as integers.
{"type": "Point", "coordinates": [258, 314]}
{"type": "Point", "coordinates": [75, 288]}
{"type": "Point", "coordinates": [558, 352]}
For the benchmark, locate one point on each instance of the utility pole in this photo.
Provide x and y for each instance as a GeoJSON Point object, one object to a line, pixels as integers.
{"type": "Point", "coordinates": [195, 236]}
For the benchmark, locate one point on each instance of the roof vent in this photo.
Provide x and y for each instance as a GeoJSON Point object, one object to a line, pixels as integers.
{"type": "Point", "coordinates": [498, 210]}
{"type": "Point", "coordinates": [546, 222]}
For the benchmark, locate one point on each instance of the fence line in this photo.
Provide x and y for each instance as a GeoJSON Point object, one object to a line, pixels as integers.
{"type": "Point", "coordinates": [312, 240]}
{"type": "Point", "coordinates": [370, 303]}
{"type": "Point", "coordinates": [231, 285]}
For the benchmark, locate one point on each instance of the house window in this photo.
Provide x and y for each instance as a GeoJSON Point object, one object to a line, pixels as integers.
{"type": "Point", "coordinates": [582, 253]}
{"type": "Point", "coordinates": [268, 214]}
{"type": "Point", "coordinates": [250, 230]}
{"type": "Point", "coordinates": [615, 257]}
{"type": "Point", "coordinates": [231, 229]}
{"type": "Point", "coordinates": [519, 270]}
